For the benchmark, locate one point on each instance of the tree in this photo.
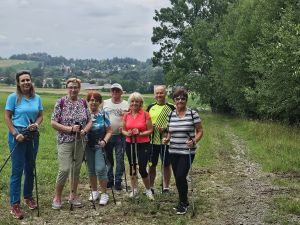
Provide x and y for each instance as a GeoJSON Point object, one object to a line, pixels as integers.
{"type": "Point", "coordinates": [38, 82]}
{"type": "Point", "coordinates": [56, 83]}
{"type": "Point", "coordinates": [37, 72]}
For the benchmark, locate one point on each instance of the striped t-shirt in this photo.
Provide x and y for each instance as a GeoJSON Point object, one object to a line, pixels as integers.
{"type": "Point", "coordinates": [181, 130]}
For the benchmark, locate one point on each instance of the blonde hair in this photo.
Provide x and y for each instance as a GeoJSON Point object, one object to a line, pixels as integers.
{"type": "Point", "coordinates": [73, 80]}
{"type": "Point", "coordinates": [136, 96]}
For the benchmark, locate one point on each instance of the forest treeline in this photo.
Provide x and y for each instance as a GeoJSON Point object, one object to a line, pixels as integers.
{"type": "Point", "coordinates": [241, 56]}
{"type": "Point", "coordinates": [134, 75]}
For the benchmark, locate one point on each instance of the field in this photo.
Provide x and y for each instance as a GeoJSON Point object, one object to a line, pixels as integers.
{"type": "Point", "coordinates": [18, 64]}
{"type": "Point", "coordinates": [245, 172]}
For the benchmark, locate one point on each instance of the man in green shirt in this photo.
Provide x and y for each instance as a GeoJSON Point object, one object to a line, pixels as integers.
{"type": "Point", "coordinates": [159, 115]}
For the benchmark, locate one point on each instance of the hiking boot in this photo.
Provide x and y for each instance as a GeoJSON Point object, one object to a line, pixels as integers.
{"type": "Point", "coordinates": [94, 196]}
{"type": "Point", "coordinates": [181, 209]}
{"type": "Point", "coordinates": [56, 204]}
{"type": "Point", "coordinates": [103, 199]}
{"type": "Point", "coordinates": [110, 184]}
{"type": "Point", "coordinates": [149, 194]}
{"type": "Point", "coordinates": [76, 203]}
{"type": "Point", "coordinates": [118, 187]}
{"type": "Point", "coordinates": [16, 211]}
{"type": "Point", "coordinates": [30, 203]}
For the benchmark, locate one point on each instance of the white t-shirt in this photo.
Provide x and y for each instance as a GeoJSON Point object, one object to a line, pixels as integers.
{"type": "Point", "coordinates": [116, 112]}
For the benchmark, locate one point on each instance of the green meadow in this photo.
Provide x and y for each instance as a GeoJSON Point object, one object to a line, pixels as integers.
{"type": "Point", "coordinates": [18, 64]}
{"type": "Point", "coordinates": [275, 147]}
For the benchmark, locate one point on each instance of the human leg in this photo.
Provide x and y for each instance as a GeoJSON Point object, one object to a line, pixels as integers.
{"type": "Point", "coordinates": [109, 152]}
{"type": "Point", "coordinates": [153, 162]}
{"type": "Point", "coordinates": [119, 160]}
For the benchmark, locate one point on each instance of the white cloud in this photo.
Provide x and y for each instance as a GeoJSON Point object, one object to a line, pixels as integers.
{"type": "Point", "coordinates": [79, 28]}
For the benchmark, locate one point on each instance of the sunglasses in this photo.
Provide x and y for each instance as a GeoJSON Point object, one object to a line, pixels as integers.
{"type": "Point", "coordinates": [180, 98]}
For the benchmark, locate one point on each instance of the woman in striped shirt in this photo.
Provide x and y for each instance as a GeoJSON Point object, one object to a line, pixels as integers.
{"type": "Point", "coordinates": [185, 130]}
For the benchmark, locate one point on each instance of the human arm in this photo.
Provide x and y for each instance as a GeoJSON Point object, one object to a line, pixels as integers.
{"type": "Point", "coordinates": [10, 126]}
{"type": "Point", "coordinates": [191, 142]}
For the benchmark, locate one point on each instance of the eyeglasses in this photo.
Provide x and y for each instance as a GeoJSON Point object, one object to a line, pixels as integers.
{"type": "Point", "coordinates": [93, 100]}
{"type": "Point", "coordinates": [73, 88]}
{"type": "Point", "coordinates": [180, 98]}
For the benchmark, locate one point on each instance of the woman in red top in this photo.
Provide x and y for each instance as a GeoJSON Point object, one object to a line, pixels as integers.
{"type": "Point", "coordinates": [137, 127]}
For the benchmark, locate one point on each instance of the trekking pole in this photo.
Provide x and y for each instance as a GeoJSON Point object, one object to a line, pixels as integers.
{"type": "Point", "coordinates": [162, 164]}
{"type": "Point", "coordinates": [73, 173]}
{"type": "Point", "coordinates": [123, 152]}
{"type": "Point", "coordinates": [85, 161]}
{"type": "Point", "coordinates": [9, 156]}
{"type": "Point", "coordinates": [112, 188]}
{"type": "Point", "coordinates": [136, 156]}
{"type": "Point", "coordinates": [131, 163]}
{"type": "Point", "coordinates": [35, 179]}
{"type": "Point", "coordinates": [192, 188]}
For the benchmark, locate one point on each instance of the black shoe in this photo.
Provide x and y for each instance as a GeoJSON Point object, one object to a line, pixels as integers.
{"type": "Point", "coordinates": [179, 204]}
{"type": "Point", "coordinates": [118, 187]}
{"type": "Point", "coordinates": [110, 184]}
{"type": "Point", "coordinates": [181, 209]}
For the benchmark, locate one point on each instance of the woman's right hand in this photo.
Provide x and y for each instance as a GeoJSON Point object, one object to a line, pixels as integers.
{"type": "Point", "coordinates": [19, 137]}
{"type": "Point", "coordinates": [165, 141]}
{"type": "Point", "coordinates": [76, 128]}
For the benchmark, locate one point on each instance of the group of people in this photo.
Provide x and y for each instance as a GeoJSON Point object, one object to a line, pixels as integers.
{"type": "Point", "coordinates": [92, 130]}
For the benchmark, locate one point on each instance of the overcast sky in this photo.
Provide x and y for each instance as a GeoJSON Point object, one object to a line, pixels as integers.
{"type": "Point", "coordinates": [78, 28]}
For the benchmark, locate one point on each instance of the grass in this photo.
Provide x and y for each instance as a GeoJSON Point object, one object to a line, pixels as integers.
{"type": "Point", "coordinates": [18, 64]}
{"type": "Point", "coordinates": [276, 147]}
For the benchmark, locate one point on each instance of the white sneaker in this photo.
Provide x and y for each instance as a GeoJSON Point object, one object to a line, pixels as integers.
{"type": "Point", "coordinates": [94, 196]}
{"type": "Point", "coordinates": [133, 193]}
{"type": "Point", "coordinates": [149, 194]}
{"type": "Point", "coordinates": [103, 199]}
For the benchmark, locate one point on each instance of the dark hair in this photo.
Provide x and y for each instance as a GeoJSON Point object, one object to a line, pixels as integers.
{"type": "Point", "coordinates": [180, 92]}
{"type": "Point", "coordinates": [19, 92]}
{"type": "Point", "coordinates": [94, 94]}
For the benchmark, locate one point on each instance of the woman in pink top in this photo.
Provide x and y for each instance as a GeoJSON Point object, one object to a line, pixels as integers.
{"type": "Point", "coordinates": [137, 127]}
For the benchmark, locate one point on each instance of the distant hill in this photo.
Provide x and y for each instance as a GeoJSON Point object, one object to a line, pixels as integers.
{"type": "Point", "coordinates": [133, 74]}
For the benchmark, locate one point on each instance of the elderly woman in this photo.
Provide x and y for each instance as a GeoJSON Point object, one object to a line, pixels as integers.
{"type": "Point", "coordinates": [23, 114]}
{"type": "Point", "coordinates": [185, 131]}
{"type": "Point", "coordinates": [72, 120]}
{"type": "Point", "coordinates": [137, 127]}
{"type": "Point", "coordinates": [98, 137]}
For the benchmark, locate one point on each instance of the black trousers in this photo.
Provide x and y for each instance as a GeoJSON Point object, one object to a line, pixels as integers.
{"type": "Point", "coordinates": [181, 166]}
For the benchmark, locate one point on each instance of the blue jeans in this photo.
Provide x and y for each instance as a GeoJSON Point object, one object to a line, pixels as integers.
{"type": "Point", "coordinates": [96, 162]}
{"type": "Point", "coordinates": [116, 142]}
{"type": "Point", "coordinates": [23, 160]}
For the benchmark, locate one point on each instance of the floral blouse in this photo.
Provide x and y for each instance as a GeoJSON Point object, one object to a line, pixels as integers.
{"type": "Point", "coordinates": [69, 113]}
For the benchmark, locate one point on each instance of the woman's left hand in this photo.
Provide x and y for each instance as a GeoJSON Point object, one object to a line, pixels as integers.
{"type": "Point", "coordinates": [32, 126]}
{"type": "Point", "coordinates": [102, 143]}
{"type": "Point", "coordinates": [190, 143]}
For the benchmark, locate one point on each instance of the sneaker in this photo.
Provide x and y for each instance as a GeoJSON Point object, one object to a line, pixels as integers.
{"type": "Point", "coordinates": [103, 199]}
{"type": "Point", "coordinates": [181, 209]}
{"type": "Point", "coordinates": [94, 196]}
{"type": "Point", "coordinates": [16, 211]}
{"type": "Point", "coordinates": [56, 204]}
{"type": "Point", "coordinates": [110, 184]}
{"type": "Point", "coordinates": [149, 194]}
{"type": "Point", "coordinates": [152, 190]}
{"type": "Point", "coordinates": [133, 193]}
{"type": "Point", "coordinates": [76, 203]}
{"type": "Point", "coordinates": [30, 203]}
{"type": "Point", "coordinates": [178, 205]}
{"type": "Point", "coordinates": [118, 187]}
